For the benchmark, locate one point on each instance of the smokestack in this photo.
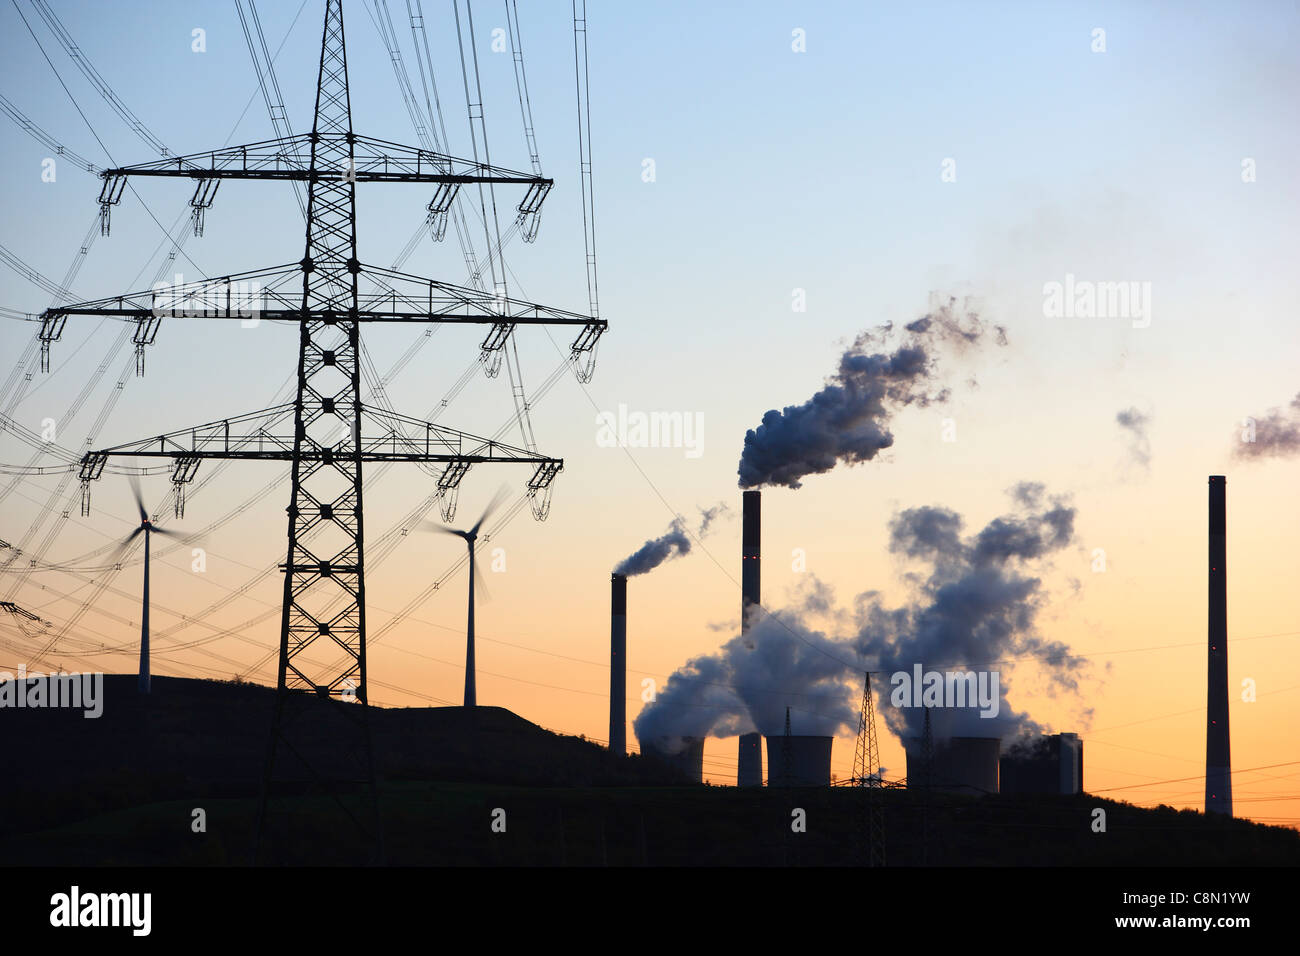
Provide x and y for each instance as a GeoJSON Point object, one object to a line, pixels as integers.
{"type": "Point", "coordinates": [1218, 761]}
{"type": "Point", "coordinates": [750, 546]}
{"type": "Point", "coordinates": [618, 663]}
{"type": "Point", "coordinates": [750, 761]}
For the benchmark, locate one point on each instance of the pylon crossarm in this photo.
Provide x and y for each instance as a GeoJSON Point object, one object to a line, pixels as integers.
{"type": "Point", "coordinates": [268, 159]}
{"type": "Point", "coordinates": [261, 293]}
{"type": "Point", "coordinates": [267, 435]}
{"type": "Point", "coordinates": [411, 297]}
{"type": "Point", "coordinates": [289, 159]}
{"type": "Point", "coordinates": [378, 160]}
{"type": "Point", "coordinates": [438, 442]}
{"type": "Point", "coordinates": [239, 433]}
{"type": "Point", "coordinates": [275, 295]}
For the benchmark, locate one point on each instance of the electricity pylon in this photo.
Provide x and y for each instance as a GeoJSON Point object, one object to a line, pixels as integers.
{"type": "Point", "coordinates": [324, 581]}
{"type": "Point", "coordinates": [866, 774]}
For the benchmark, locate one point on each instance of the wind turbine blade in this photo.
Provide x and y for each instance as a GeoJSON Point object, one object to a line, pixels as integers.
{"type": "Point", "coordinates": [139, 499]}
{"type": "Point", "coordinates": [480, 583]}
{"type": "Point", "coordinates": [502, 493]}
{"type": "Point", "coordinates": [427, 525]}
{"type": "Point", "coordinates": [123, 545]}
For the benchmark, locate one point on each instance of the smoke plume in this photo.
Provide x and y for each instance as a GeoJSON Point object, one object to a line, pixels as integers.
{"type": "Point", "coordinates": [975, 609]}
{"type": "Point", "coordinates": [849, 419]}
{"type": "Point", "coordinates": [1135, 423]}
{"type": "Point", "coordinates": [748, 683]}
{"type": "Point", "coordinates": [1276, 435]}
{"type": "Point", "coordinates": [975, 606]}
{"type": "Point", "coordinates": [673, 543]}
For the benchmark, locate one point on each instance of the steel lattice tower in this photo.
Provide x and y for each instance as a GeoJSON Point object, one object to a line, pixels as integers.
{"type": "Point", "coordinates": [329, 386]}
{"type": "Point", "coordinates": [866, 773]}
{"type": "Point", "coordinates": [324, 583]}
{"type": "Point", "coordinates": [866, 759]}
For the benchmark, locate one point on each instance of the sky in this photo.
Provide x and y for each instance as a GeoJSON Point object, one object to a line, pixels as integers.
{"type": "Point", "coordinates": [817, 172]}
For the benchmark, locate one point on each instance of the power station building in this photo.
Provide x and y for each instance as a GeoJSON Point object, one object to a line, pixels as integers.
{"type": "Point", "coordinates": [810, 761]}
{"type": "Point", "coordinates": [684, 754]}
{"type": "Point", "coordinates": [1049, 764]}
{"type": "Point", "coordinates": [959, 764]}
{"type": "Point", "coordinates": [749, 770]}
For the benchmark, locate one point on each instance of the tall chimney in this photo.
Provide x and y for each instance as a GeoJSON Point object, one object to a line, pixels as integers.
{"type": "Point", "coordinates": [618, 663]}
{"type": "Point", "coordinates": [750, 547]}
{"type": "Point", "coordinates": [750, 761]}
{"type": "Point", "coordinates": [1218, 759]}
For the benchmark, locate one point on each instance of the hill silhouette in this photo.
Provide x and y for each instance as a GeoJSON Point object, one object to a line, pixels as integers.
{"type": "Point", "coordinates": [122, 789]}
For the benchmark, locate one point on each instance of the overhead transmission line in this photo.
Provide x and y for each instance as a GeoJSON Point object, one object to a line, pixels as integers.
{"type": "Point", "coordinates": [133, 122]}
{"type": "Point", "coordinates": [270, 105]}
{"type": "Point", "coordinates": [264, 67]}
{"type": "Point", "coordinates": [42, 137]}
{"type": "Point", "coordinates": [89, 71]}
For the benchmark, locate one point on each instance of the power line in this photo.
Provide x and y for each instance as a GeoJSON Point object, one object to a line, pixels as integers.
{"type": "Point", "coordinates": [1133, 786]}
{"type": "Point", "coordinates": [44, 138]}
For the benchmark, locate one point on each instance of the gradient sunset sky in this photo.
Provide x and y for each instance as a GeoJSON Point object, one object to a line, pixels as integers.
{"type": "Point", "coordinates": [776, 173]}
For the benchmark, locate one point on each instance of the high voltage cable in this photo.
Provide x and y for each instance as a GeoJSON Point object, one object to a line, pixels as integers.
{"type": "Point", "coordinates": [176, 246]}
{"type": "Point", "coordinates": [421, 344]}
{"type": "Point", "coordinates": [280, 123]}
{"type": "Point", "coordinates": [44, 138]}
{"type": "Point", "coordinates": [1134, 786]}
{"type": "Point", "coordinates": [98, 82]}
{"type": "Point", "coordinates": [65, 40]}
{"type": "Point", "coordinates": [553, 379]}
{"type": "Point", "coordinates": [60, 293]}
{"type": "Point", "coordinates": [80, 62]}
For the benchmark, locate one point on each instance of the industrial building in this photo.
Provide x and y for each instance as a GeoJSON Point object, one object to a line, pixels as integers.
{"type": "Point", "coordinates": [810, 761]}
{"type": "Point", "coordinates": [1048, 764]}
{"type": "Point", "coordinates": [749, 769]}
{"type": "Point", "coordinates": [686, 754]}
{"type": "Point", "coordinates": [958, 764]}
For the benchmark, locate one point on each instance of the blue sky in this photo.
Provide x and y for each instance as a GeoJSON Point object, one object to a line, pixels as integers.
{"type": "Point", "coordinates": [775, 170]}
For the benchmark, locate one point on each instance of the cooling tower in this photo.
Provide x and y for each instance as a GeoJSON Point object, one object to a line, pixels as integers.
{"type": "Point", "coordinates": [1218, 760]}
{"type": "Point", "coordinates": [965, 764]}
{"type": "Point", "coordinates": [750, 761]}
{"type": "Point", "coordinates": [810, 761]}
{"type": "Point", "coordinates": [618, 664]}
{"type": "Point", "coordinates": [684, 754]}
{"type": "Point", "coordinates": [750, 549]}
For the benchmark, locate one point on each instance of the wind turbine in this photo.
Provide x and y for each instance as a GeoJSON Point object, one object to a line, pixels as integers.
{"type": "Point", "coordinates": [471, 537]}
{"type": "Point", "coordinates": [147, 528]}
